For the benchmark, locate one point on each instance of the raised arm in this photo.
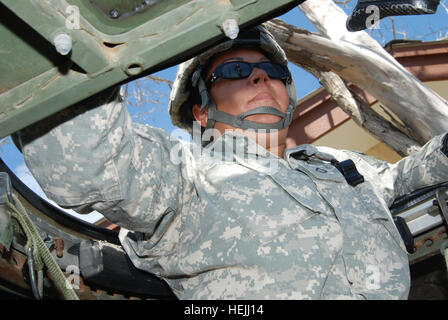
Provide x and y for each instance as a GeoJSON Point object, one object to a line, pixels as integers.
{"type": "Point", "coordinates": [92, 157]}
{"type": "Point", "coordinates": [427, 167]}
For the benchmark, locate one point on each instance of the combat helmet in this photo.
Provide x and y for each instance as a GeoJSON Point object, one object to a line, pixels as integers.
{"type": "Point", "coordinates": [189, 86]}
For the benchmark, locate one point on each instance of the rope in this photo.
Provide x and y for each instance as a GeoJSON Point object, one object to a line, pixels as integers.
{"type": "Point", "coordinates": [41, 254]}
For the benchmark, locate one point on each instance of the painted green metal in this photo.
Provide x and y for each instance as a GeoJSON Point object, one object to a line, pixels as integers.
{"type": "Point", "coordinates": [113, 41]}
{"type": "Point", "coordinates": [130, 13]}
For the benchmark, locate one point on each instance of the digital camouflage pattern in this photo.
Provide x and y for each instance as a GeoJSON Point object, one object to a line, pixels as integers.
{"type": "Point", "coordinates": [232, 221]}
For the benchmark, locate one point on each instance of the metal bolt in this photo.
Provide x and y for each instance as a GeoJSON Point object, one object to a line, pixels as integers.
{"type": "Point", "coordinates": [63, 43]}
{"type": "Point", "coordinates": [443, 235]}
{"type": "Point", "coordinates": [230, 28]}
{"type": "Point", "coordinates": [114, 14]}
{"type": "Point", "coordinates": [48, 240]}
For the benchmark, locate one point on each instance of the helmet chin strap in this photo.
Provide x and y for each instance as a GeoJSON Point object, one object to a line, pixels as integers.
{"type": "Point", "coordinates": [239, 121]}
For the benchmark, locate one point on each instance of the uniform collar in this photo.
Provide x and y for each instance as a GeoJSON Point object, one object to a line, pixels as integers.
{"type": "Point", "coordinates": [235, 143]}
{"type": "Point", "coordinates": [303, 151]}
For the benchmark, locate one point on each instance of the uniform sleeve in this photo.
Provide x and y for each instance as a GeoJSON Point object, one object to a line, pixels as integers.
{"type": "Point", "coordinates": [91, 157]}
{"type": "Point", "coordinates": [427, 167]}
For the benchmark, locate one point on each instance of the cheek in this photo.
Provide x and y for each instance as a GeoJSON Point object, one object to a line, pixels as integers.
{"type": "Point", "coordinates": [228, 96]}
{"type": "Point", "coordinates": [282, 94]}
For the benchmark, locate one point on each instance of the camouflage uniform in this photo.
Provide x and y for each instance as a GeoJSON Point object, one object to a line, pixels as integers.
{"type": "Point", "coordinates": [233, 221]}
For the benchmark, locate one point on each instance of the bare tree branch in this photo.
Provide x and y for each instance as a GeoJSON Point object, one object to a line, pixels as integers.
{"type": "Point", "coordinates": [363, 115]}
{"type": "Point", "coordinates": [2, 141]}
{"type": "Point", "coordinates": [157, 79]}
{"type": "Point", "coordinates": [442, 3]}
{"type": "Point", "coordinates": [360, 60]}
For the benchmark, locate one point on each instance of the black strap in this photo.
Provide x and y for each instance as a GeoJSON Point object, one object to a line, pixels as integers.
{"type": "Point", "coordinates": [349, 171]}
{"type": "Point", "coordinates": [405, 234]}
{"type": "Point", "coordinates": [346, 167]}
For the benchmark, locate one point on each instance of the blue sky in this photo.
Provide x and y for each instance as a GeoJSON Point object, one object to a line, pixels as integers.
{"type": "Point", "coordinates": [425, 28]}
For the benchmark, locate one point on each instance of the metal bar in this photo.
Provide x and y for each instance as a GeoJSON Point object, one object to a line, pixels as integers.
{"type": "Point", "coordinates": [49, 19]}
{"type": "Point", "coordinates": [159, 43]}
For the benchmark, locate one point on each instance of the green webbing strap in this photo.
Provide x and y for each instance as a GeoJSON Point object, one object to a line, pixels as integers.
{"type": "Point", "coordinates": [40, 252]}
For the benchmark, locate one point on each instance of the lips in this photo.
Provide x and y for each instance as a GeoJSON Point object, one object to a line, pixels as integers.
{"type": "Point", "coordinates": [270, 101]}
{"type": "Point", "coordinates": [262, 96]}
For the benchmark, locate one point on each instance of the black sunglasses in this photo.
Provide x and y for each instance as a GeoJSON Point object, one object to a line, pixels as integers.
{"type": "Point", "coordinates": [242, 69]}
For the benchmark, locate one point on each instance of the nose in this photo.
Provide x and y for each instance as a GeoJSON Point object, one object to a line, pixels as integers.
{"type": "Point", "coordinates": [258, 75]}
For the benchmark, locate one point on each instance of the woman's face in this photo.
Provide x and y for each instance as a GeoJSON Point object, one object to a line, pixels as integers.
{"type": "Point", "coordinates": [235, 96]}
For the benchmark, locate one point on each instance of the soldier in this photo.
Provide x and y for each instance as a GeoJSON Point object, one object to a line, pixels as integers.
{"type": "Point", "coordinates": [236, 216]}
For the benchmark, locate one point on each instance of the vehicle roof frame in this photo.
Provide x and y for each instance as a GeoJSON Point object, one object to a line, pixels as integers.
{"type": "Point", "coordinates": [99, 60]}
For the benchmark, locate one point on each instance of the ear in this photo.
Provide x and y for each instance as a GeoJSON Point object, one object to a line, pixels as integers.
{"type": "Point", "coordinates": [201, 116]}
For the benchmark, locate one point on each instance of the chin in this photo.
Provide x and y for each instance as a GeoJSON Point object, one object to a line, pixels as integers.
{"type": "Point", "coordinates": [263, 118]}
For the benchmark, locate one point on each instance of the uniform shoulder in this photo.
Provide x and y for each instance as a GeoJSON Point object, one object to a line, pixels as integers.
{"type": "Point", "coordinates": [356, 156]}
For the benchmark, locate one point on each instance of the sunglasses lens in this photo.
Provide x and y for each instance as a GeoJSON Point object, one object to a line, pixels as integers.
{"type": "Point", "coordinates": [236, 70]}
{"type": "Point", "coordinates": [241, 69]}
{"type": "Point", "coordinates": [274, 70]}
